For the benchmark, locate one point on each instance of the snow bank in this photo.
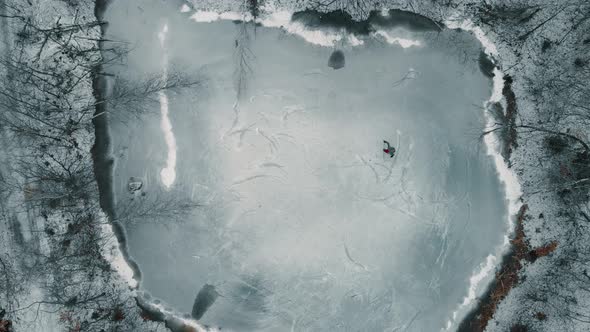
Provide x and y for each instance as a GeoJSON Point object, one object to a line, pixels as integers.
{"type": "Point", "coordinates": [174, 322]}
{"type": "Point", "coordinates": [282, 19]}
{"type": "Point", "coordinates": [205, 16]}
{"type": "Point", "coordinates": [111, 251]}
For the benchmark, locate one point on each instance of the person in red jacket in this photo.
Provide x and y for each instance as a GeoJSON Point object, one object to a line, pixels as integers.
{"type": "Point", "coordinates": [389, 149]}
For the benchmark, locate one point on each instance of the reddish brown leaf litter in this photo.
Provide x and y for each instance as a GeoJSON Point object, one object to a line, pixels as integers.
{"type": "Point", "coordinates": [5, 325]}
{"type": "Point", "coordinates": [542, 251]}
{"type": "Point", "coordinates": [118, 314]}
{"type": "Point", "coordinates": [540, 315]}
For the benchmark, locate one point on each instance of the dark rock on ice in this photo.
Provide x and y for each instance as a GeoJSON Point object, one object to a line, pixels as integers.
{"type": "Point", "coordinates": [134, 184]}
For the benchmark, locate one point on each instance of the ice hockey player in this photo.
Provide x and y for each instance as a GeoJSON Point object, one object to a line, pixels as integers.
{"type": "Point", "coordinates": [389, 149]}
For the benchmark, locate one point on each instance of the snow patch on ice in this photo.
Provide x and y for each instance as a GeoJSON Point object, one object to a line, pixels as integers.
{"type": "Point", "coordinates": [403, 42]}
{"type": "Point", "coordinates": [205, 16]}
{"type": "Point", "coordinates": [234, 16]}
{"type": "Point", "coordinates": [282, 19]}
{"type": "Point", "coordinates": [176, 320]}
{"type": "Point", "coordinates": [185, 8]}
{"type": "Point", "coordinates": [168, 173]}
{"type": "Point", "coordinates": [509, 179]}
{"type": "Point", "coordinates": [354, 41]}
{"type": "Point", "coordinates": [484, 271]}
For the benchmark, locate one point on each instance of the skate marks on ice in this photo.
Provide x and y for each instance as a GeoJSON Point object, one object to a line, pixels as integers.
{"type": "Point", "coordinates": [305, 223]}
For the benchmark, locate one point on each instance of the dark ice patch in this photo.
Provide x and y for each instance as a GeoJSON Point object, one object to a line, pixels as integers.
{"type": "Point", "coordinates": [336, 60]}
{"type": "Point", "coordinates": [205, 299]}
{"type": "Point", "coordinates": [486, 65]}
{"type": "Point", "coordinates": [339, 19]}
{"type": "Point", "coordinates": [396, 18]}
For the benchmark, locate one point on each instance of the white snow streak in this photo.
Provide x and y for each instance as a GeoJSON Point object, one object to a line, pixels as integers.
{"type": "Point", "coordinates": [205, 17]}
{"type": "Point", "coordinates": [403, 42]}
{"type": "Point", "coordinates": [282, 19]}
{"type": "Point", "coordinates": [177, 320]}
{"type": "Point", "coordinates": [484, 271]}
{"type": "Point", "coordinates": [185, 8]}
{"type": "Point", "coordinates": [111, 251]}
{"type": "Point", "coordinates": [354, 41]}
{"type": "Point", "coordinates": [168, 173]}
{"type": "Point", "coordinates": [508, 178]}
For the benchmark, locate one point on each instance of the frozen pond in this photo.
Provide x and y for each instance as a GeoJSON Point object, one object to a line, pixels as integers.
{"type": "Point", "coordinates": [304, 224]}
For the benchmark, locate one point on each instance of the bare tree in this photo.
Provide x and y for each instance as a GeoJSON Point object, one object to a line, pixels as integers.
{"type": "Point", "coordinates": [160, 206]}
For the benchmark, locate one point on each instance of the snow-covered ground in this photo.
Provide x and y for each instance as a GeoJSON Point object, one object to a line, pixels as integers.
{"type": "Point", "coordinates": [60, 263]}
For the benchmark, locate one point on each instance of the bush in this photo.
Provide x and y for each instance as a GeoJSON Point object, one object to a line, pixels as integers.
{"type": "Point", "coordinates": [556, 143]}
{"type": "Point", "coordinates": [581, 166]}
{"type": "Point", "coordinates": [519, 328]}
{"type": "Point", "coordinates": [540, 315]}
{"type": "Point", "coordinates": [546, 45]}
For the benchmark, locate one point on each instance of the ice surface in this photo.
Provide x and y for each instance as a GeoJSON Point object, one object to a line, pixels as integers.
{"type": "Point", "coordinates": [304, 223]}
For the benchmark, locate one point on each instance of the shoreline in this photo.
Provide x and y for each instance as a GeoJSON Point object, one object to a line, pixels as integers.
{"type": "Point", "coordinates": [509, 179]}
{"type": "Point", "coordinates": [477, 319]}
{"type": "Point", "coordinates": [103, 164]}
{"type": "Point", "coordinates": [103, 161]}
